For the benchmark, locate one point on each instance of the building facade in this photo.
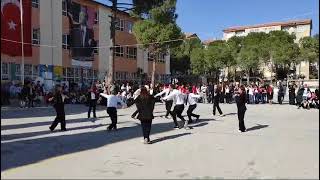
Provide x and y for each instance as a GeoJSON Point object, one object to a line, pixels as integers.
{"type": "Point", "coordinates": [55, 57]}
{"type": "Point", "coordinates": [301, 28]}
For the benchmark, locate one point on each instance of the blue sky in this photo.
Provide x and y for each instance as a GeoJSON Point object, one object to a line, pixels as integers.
{"type": "Point", "coordinates": [208, 18]}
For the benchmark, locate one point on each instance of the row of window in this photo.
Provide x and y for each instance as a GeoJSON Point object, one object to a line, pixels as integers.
{"type": "Point", "coordinates": [72, 74]}
{"type": "Point", "coordinates": [125, 76]}
{"type": "Point", "coordinates": [131, 52]}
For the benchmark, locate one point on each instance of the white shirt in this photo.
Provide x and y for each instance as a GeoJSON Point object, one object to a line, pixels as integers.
{"type": "Point", "coordinates": [93, 95]}
{"type": "Point", "coordinates": [203, 89]}
{"type": "Point", "coordinates": [112, 100]}
{"type": "Point", "coordinates": [136, 93]}
{"type": "Point", "coordinates": [192, 98]}
{"type": "Point", "coordinates": [177, 97]}
{"type": "Point", "coordinates": [251, 91]}
{"type": "Point", "coordinates": [128, 88]}
{"type": "Point", "coordinates": [165, 91]}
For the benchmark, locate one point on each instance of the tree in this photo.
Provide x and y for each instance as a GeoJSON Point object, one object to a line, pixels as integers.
{"type": "Point", "coordinates": [234, 43]}
{"type": "Point", "coordinates": [218, 56]}
{"type": "Point", "coordinates": [180, 56]}
{"type": "Point", "coordinates": [309, 49]}
{"type": "Point", "coordinates": [158, 27]}
{"type": "Point", "coordinates": [198, 63]}
{"type": "Point", "coordinates": [253, 51]}
{"type": "Point", "coordinates": [281, 50]}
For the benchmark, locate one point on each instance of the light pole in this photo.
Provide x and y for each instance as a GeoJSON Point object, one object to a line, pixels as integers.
{"type": "Point", "coordinates": [22, 44]}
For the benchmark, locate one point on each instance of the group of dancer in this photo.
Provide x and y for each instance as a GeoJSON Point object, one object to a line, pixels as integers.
{"type": "Point", "coordinates": [175, 97]}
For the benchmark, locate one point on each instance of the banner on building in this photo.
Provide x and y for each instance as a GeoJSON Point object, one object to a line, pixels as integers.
{"type": "Point", "coordinates": [11, 27]}
{"type": "Point", "coordinates": [82, 42]}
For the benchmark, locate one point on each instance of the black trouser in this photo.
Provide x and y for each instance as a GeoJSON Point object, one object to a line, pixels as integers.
{"type": "Point", "coordinates": [177, 111]}
{"type": "Point", "coordinates": [146, 128]}
{"type": "Point", "coordinates": [241, 113]}
{"type": "Point", "coordinates": [92, 105]}
{"type": "Point", "coordinates": [216, 106]}
{"type": "Point", "coordinates": [280, 98]}
{"type": "Point", "coordinates": [30, 99]}
{"type": "Point", "coordinates": [292, 99]}
{"type": "Point", "coordinates": [60, 118]}
{"type": "Point", "coordinates": [168, 107]}
{"type": "Point", "coordinates": [228, 97]}
{"type": "Point", "coordinates": [190, 110]}
{"type": "Point", "coordinates": [112, 111]}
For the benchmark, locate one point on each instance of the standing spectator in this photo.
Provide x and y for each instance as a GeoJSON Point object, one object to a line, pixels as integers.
{"type": "Point", "coordinates": [204, 93]}
{"type": "Point", "coordinates": [292, 94]}
{"type": "Point", "coordinates": [228, 94]}
{"type": "Point", "coordinates": [263, 94]}
{"type": "Point", "coordinates": [92, 97]}
{"type": "Point", "coordinates": [281, 92]}
{"type": "Point", "coordinates": [251, 95]}
{"type": "Point", "coordinates": [270, 94]}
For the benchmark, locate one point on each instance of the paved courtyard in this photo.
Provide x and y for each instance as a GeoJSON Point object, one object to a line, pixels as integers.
{"type": "Point", "coordinates": [281, 142]}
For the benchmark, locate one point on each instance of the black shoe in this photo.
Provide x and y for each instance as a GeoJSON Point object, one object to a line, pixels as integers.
{"type": "Point", "coordinates": [176, 127]}
{"type": "Point", "coordinates": [197, 118]}
{"type": "Point", "coordinates": [64, 129]}
{"type": "Point", "coordinates": [51, 129]}
{"type": "Point", "coordinates": [190, 122]}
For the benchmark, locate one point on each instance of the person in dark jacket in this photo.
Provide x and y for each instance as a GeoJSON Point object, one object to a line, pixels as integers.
{"type": "Point", "coordinates": [58, 104]}
{"type": "Point", "coordinates": [145, 105]}
{"type": "Point", "coordinates": [241, 105]}
{"type": "Point", "coordinates": [292, 94]}
{"type": "Point", "coordinates": [216, 100]}
{"type": "Point", "coordinates": [281, 93]}
{"type": "Point", "coordinates": [299, 97]}
{"type": "Point", "coordinates": [92, 97]}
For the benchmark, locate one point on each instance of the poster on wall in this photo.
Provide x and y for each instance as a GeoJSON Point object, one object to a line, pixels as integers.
{"type": "Point", "coordinates": [46, 71]}
{"type": "Point", "coordinates": [82, 41]}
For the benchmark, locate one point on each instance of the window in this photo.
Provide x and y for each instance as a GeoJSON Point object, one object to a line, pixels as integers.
{"type": "Point", "coordinates": [18, 69]}
{"type": "Point", "coordinates": [36, 36]}
{"type": "Point", "coordinates": [35, 3]}
{"type": "Point", "coordinates": [150, 57]}
{"type": "Point", "coordinates": [66, 41]}
{"type": "Point", "coordinates": [120, 24]}
{"type": "Point", "coordinates": [96, 19]}
{"type": "Point", "coordinates": [131, 52]}
{"type": "Point", "coordinates": [35, 70]}
{"type": "Point", "coordinates": [119, 51]}
{"type": "Point", "coordinates": [28, 69]}
{"type": "Point", "coordinates": [5, 71]}
{"type": "Point", "coordinates": [129, 26]}
{"type": "Point", "coordinates": [96, 49]}
{"type": "Point", "coordinates": [64, 7]}
{"type": "Point", "coordinates": [162, 58]}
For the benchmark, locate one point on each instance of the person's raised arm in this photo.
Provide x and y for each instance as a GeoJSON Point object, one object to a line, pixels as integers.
{"type": "Point", "coordinates": [170, 96]}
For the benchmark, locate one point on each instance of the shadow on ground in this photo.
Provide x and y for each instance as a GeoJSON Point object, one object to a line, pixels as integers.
{"type": "Point", "coordinates": [70, 109]}
{"type": "Point", "coordinates": [25, 152]}
{"type": "Point", "coordinates": [257, 127]}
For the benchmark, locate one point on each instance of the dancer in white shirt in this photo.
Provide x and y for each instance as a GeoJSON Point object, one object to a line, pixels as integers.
{"type": "Point", "coordinates": [192, 102]}
{"type": "Point", "coordinates": [179, 100]}
{"type": "Point", "coordinates": [168, 103]}
{"type": "Point", "coordinates": [112, 104]}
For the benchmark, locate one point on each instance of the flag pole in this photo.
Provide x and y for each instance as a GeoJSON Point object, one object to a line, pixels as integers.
{"type": "Point", "coordinates": [22, 44]}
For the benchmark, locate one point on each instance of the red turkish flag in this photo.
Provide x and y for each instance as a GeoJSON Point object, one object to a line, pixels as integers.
{"type": "Point", "coordinates": [11, 27]}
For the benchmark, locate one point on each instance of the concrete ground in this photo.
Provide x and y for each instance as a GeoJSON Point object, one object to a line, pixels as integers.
{"type": "Point", "coordinates": [281, 142]}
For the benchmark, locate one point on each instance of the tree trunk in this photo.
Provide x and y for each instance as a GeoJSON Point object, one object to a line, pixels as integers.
{"type": "Point", "coordinates": [271, 69]}
{"type": "Point", "coordinates": [248, 77]}
{"type": "Point", "coordinates": [154, 70]}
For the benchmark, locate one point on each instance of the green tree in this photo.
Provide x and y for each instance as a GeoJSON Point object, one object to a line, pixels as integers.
{"type": "Point", "coordinates": [282, 50]}
{"type": "Point", "coordinates": [180, 56]}
{"type": "Point", "coordinates": [235, 44]}
{"type": "Point", "coordinates": [309, 49]}
{"type": "Point", "coordinates": [198, 63]}
{"type": "Point", "coordinates": [158, 27]}
{"type": "Point", "coordinates": [218, 56]}
{"type": "Point", "coordinates": [253, 52]}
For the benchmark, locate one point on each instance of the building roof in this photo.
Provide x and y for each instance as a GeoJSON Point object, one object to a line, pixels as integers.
{"type": "Point", "coordinates": [189, 35]}
{"type": "Point", "coordinates": [287, 23]}
{"type": "Point", "coordinates": [209, 41]}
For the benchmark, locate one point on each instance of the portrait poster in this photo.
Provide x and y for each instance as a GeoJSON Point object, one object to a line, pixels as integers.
{"type": "Point", "coordinates": [82, 20]}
